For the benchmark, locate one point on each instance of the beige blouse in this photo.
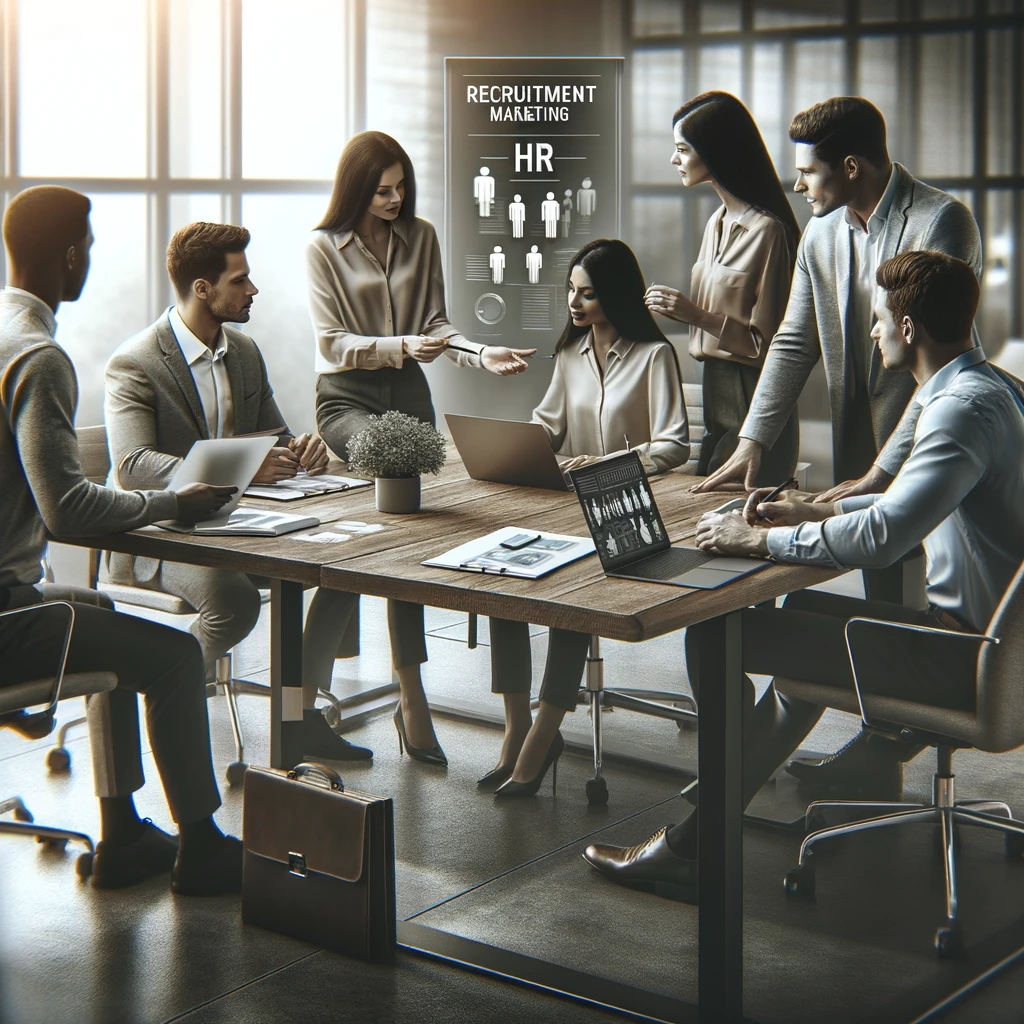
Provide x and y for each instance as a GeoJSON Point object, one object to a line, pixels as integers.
{"type": "Point", "coordinates": [639, 397]}
{"type": "Point", "coordinates": [744, 277]}
{"type": "Point", "coordinates": [362, 312]}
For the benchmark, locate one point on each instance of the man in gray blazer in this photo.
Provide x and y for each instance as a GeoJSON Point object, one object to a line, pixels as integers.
{"type": "Point", "coordinates": [191, 376]}
{"type": "Point", "coordinates": [865, 209]}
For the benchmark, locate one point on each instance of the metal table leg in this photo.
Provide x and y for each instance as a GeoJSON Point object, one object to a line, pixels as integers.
{"type": "Point", "coordinates": [597, 788]}
{"type": "Point", "coordinates": [285, 672]}
{"type": "Point", "coordinates": [720, 840]}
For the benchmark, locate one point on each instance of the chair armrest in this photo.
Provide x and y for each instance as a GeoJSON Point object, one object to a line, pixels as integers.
{"type": "Point", "coordinates": [58, 678]}
{"type": "Point", "coordinates": [861, 632]}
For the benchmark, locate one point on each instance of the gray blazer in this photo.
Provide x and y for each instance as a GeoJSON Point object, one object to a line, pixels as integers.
{"type": "Point", "coordinates": [814, 326]}
{"type": "Point", "coordinates": [154, 415]}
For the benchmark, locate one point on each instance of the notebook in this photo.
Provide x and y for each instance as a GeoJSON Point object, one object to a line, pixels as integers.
{"type": "Point", "coordinates": [515, 551]}
{"type": "Point", "coordinates": [630, 536]}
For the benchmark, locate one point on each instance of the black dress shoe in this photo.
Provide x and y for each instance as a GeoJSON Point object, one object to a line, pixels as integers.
{"type": "Point", "coordinates": [118, 865]}
{"type": "Point", "coordinates": [513, 788]}
{"type": "Point", "coordinates": [865, 768]}
{"type": "Point", "coordinates": [217, 873]}
{"type": "Point", "coordinates": [496, 776]}
{"type": "Point", "coordinates": [649, 866]}
{"type": "Point", "coordinates": [317, 739]}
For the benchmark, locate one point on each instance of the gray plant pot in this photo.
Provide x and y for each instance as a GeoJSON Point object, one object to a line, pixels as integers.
{"type": "Point", "coordinates": [397, 494]}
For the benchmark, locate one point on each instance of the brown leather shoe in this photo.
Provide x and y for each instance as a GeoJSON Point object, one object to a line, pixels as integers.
{"type": "Point", "coordinates": [859, 770]}
{"type": "Point", "coordinates": [649, 866]}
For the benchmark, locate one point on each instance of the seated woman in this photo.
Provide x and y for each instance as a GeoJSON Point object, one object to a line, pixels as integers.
{"type": "Point", "coordinates": [616, 383]}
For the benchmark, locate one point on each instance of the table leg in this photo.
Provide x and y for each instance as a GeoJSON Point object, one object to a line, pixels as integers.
{"type": "Point", "coordinates": [720, 841]}
{"type": "Point", "coordinates": [285, 672]}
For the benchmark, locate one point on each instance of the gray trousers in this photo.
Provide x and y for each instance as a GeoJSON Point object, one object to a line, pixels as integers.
{"type": "Point", "coordinates": [165, 665]}
{"type": "Point", "coordinates": [512, 662]}
{"type": "Point", "coordinates": [344, 404]}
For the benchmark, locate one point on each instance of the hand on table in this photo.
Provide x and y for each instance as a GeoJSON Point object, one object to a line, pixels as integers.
{"type": "Point", "coordinates": [280, 464]}
{"type": "Point", "coordinates": [874, 481]}
{"type": "Point", "coordinates": [312, 453]}
{"type": "Point", "coordinates": [790, 509]}
{"type": "Point", "coordinates": [728, 533]}
{"type": "Point", "coordinates": [737, 473]}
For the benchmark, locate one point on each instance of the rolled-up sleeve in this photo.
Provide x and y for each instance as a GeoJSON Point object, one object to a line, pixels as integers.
{"type": "Point", "coordinates": [875, 531]}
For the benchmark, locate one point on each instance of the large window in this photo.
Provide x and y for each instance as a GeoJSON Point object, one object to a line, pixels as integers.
{"type": "Point", "coordinates": [947, 74]}
{"type": "Point", "coordinates": [169, 111]}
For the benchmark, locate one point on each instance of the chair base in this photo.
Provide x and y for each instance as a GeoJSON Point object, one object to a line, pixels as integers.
{"type": "Point", "coordinates": [944, 810]}
{"type": "Point", "coordinates": [50, 838]}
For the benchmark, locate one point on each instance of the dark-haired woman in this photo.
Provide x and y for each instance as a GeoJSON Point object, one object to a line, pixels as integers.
{"type": "Point", "coordinates": [376, 297]}
{"type": "Point", "coordinates": [740, 283]}
{"type": "Point", "coordinates": [616, 382]}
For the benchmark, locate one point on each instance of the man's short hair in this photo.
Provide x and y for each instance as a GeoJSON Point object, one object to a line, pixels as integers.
{"type": "Point", "coordinates": [42, 223]}
{"type": "Point", "coordinates": [938, 292]}
{"type": "Point", "coordinates": [840, 127]}
{"type": "Point", "coordinates": [200, 251]}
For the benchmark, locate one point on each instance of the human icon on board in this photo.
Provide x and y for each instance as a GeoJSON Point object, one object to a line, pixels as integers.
{"type": "Point", "coordinates": [566, 212]}
{"type": "Point", "coordinates": [483, 191]}
{"type": "Point", "coordinates": [550, 213]}
{"type": "Point", "coordinates": [517, 214]}
{"type": "Point", "coordinates": [586, 199]}
{"type": "Point", "coordinates": [497, 261]}
{"type": "Point", "coordinates": [534, 262]}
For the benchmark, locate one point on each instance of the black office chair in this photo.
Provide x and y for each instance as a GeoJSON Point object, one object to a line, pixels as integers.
{"type": "Point", "coordinates": [30, 708]}
{"type": "Point", "coordinates": [996, 725]}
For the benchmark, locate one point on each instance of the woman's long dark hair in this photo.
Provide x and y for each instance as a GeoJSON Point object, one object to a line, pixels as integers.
{"type": "Point", "coordinates": [366, 157]}
{"type": "Point", "coordinates": [719, 127]}
{"type": "Point", "coordinates": [619, 286]}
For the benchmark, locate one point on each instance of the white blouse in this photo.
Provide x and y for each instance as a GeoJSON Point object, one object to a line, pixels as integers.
{"type": "Point", "coordinates": [639, 397]}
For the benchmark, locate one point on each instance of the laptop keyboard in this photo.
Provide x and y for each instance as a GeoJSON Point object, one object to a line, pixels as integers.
{"type": "Point", "coordinates": [666, 565]}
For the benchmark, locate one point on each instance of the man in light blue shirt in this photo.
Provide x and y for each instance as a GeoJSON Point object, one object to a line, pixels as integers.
{"type": "Point", "coordinates": [960, 493]}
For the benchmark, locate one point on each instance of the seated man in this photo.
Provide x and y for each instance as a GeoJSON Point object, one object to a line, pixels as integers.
{"type": "Point", "coordinates": [960, 493]}
{"type": "Point", "coordinates": [48, 237]}
{"type": "Point", "coordinates": [191, 376]}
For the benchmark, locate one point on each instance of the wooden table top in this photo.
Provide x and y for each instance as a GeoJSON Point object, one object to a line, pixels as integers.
{"type": "Point", "coordinates": [454, 510]}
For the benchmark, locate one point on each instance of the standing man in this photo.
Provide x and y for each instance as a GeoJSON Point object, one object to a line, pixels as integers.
{"type": "Point", "coordinates": [865, 209]}
{"type": "Point", "coordinates": [48, 236]}
{"type": "Point", "coordinates": [960, 492]}
{"type": "Point", "coordinates": [190, 376]}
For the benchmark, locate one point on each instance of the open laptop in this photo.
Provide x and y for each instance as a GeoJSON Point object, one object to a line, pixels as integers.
{"type": "Point", "coordinates": [506, 452]}
{"type": "Point", "coordinates": [631, 538]}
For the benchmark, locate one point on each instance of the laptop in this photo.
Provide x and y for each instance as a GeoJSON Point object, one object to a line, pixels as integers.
{"type": "Point", "coordinates": [232, 461]}
{"type": "Point", "coordinates": [506, 452]}
{"type": "Point", "coordinates": [631, 538]}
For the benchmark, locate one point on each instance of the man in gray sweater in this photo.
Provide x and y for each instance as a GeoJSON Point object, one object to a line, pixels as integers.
{"type": "Point", "coordinates": [48, 236]}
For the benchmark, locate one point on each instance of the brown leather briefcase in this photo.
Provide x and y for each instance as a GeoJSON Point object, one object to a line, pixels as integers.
{"type": "Point", "coordinates": [319, 861]}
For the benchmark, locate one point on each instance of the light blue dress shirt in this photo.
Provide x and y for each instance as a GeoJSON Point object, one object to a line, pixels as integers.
{"type": "Point", "coordinates": [960, 493]}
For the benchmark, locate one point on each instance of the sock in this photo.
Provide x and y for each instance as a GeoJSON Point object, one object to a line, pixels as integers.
{"type": "Point", "coordinates": [198, 838]}
{"type": "Point", "coordinates": [120, 823]}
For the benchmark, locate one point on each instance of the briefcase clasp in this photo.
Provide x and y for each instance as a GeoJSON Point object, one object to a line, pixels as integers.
{"type": "Point", "coordinates": [296, 864]}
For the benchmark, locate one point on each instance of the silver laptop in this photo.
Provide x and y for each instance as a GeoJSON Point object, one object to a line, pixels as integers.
{"type": "Point", "coordinates": [506, 452]}
{"type": "Point", "coordinates": [631, 538]}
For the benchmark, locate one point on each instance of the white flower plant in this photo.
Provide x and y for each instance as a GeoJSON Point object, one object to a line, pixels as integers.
{"type": "Point", "coordinates": [397, 445]}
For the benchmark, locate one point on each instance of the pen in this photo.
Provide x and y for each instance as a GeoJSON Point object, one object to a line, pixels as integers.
{"type": "Point", "coordinates": [773, 494]}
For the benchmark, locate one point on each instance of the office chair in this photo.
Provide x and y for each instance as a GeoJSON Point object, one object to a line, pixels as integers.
{"type": "Point", "coordinates": [996, 724]}
{"type": "Point", "coordinates": [15, 701]}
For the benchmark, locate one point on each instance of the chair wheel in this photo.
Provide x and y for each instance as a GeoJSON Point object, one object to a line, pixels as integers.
{"type": "Point", "coordinates": [83, 866]}
{"type": "Point", "coordinates": [799, 882]}
{"type": "Point", "coordinates": [597, 792]}
{"type": "Point", "coordinates": [949, 941]}
{"type": "Point", "coordinates": [58, 759]}
{"type": "Point", "coordinates": [236, 773]}
{"type": "Point", "coordinates": [51, 844]}
{"type": "Point", "coordinates": [1013, 845]}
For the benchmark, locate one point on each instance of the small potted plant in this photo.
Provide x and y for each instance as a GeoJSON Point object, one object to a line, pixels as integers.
{"type": "Point", "coordinates": [396, 450]}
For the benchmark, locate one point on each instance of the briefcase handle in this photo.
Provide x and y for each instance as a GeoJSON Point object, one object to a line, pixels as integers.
{"type": "Point", "coordinates": [329, 775]}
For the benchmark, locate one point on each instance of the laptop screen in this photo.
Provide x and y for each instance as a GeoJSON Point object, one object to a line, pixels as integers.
{"type": "Point", "coordinates": [620, 510]}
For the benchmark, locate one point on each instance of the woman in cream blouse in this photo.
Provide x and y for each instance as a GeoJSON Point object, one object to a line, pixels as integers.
{"type": "Point", "coordinates": [376, 297]}
{"type": "Point", "coordinates": [740, 283]}
{"type": "Point", "coordinates": [616, 384]}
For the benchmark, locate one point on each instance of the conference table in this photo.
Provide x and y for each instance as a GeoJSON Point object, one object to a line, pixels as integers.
{"type": "Point", "coordinates": [456, 509]}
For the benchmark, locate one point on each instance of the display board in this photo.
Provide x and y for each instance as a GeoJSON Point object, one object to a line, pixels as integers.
{"type": "Point", "coordinates": [533, 172]}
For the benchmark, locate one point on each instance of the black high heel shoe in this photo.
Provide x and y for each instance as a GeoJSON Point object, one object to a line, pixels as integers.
{"type": "Point", "coordinates": [496, 776]}
{"type": "Point", "coordinates": [433, 756]}
{"type": "Point", "coordinates": [513, 788]}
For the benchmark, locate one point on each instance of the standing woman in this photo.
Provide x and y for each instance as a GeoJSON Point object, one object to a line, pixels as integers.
{"type": "Point", "coordinates": [740, 283]}
{"type": "Point", "coordinates": [376, 297]}
{"type": "Point", "coordinates": [615, 383]}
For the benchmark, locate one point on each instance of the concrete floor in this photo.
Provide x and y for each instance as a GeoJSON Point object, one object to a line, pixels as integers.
{"type": "Point", "coordinates": [486, 868]}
